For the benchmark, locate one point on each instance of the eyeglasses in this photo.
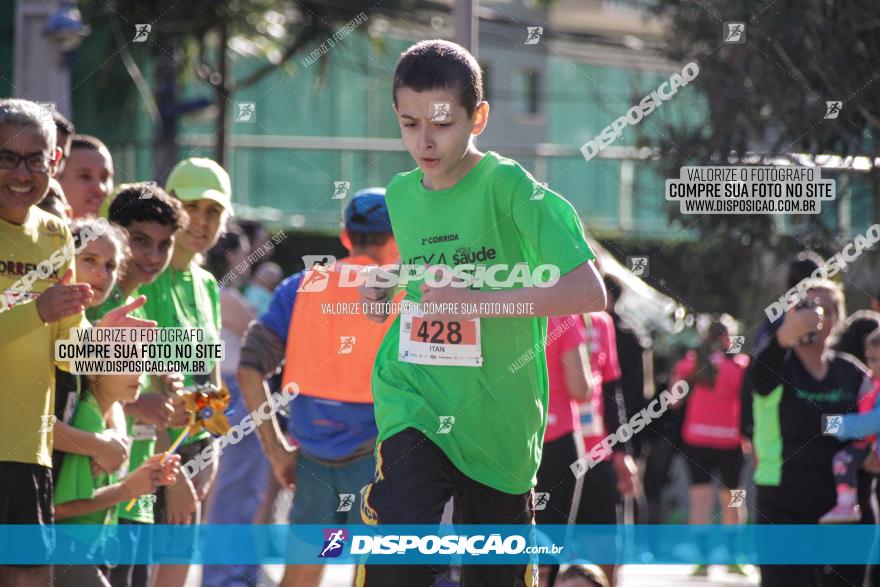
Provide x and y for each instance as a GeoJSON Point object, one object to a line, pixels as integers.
{"type": "Point", "coordinates": [36, 162]}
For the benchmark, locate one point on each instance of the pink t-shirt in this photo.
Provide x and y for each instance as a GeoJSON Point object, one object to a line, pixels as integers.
{"type": "Point", "coordinates": [602, 342]}
{"type": "Point", "coordinates": [563, 334]}
{"type": "Point", "coordinates": [711, 417]}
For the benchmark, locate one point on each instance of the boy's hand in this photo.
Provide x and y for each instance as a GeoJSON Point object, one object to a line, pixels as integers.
{"type": "Point", "coordinates": [63, 299]}
{"type": "Point", "coordinates": [180, 502]}
{"type": "Point", "coordinates": [283, 462]}
{"type": "Point", "coordinates": [119, 318]}
{"type": "Point", "coordinates": [172, 383]}
{"type": "Point", "coordinates": [627, 473]}
{"type": "Point", "coordinates": [445, 299]}
{"type": "Point", "coordinates": [152, 408]}
{"type": "Point", "coordinates": [797, 323]}
{"type": "Point", "coordinates": [111, 453]}
{"type": "Point", "coordinates": [151, 474]}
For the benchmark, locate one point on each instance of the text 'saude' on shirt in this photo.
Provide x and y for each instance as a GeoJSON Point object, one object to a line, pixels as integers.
{"type": "Point", "coordinates": [491, 216]}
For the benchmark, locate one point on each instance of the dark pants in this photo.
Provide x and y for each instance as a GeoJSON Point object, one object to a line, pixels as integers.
{"type": "Point", "coordinates": [805, 503]}
{"type": "Point", "coordinates": [413, 482]}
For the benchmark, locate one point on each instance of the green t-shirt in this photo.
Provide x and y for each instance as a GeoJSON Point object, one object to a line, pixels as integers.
{"type": "Point", "coordinates": [496, 214]}
{"type": "Point", "coordinates": [141, 450]}
{"type": "Point", "coordinates": [75, 480]}
{"type": "Point", "coordinates": [185, 299]}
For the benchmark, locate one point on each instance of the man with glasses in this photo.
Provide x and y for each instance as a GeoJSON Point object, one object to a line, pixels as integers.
{"type": "Point", "coordinates": [37, 307]}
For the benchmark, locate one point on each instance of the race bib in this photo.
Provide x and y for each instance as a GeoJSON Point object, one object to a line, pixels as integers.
{"type": "Point", "coordinates": [429, 341]}
{"type": "Point", "coordinates": [591, 420]}
{"type": "Point", "coordinates": [143, 432]}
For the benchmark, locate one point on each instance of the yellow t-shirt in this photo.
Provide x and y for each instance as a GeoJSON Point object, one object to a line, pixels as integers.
{"type": "Point", "coordinates": [27, 344]}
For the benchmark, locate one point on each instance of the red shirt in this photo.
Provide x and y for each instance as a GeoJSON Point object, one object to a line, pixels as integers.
{"type": "Point", "coordinates": [564, 333]}
{"type": "Point", "coordinates": [602, 342]}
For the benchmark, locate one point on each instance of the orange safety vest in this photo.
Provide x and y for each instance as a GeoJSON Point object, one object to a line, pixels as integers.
{"type": "Point", "coordinates": [330, 355]}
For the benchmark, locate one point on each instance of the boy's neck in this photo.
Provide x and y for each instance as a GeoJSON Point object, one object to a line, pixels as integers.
{"type": "Point", "coordinates": [456, 173]}
{"type": "Point", "coordinates": [181, 258]}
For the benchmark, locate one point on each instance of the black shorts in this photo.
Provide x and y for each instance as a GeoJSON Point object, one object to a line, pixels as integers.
{"type": "Point", "coordinates": [599, 496]}
{"type": "Point", "coordinates": [557, 481]}
{"type": "Point", "coordinates": [707, 464]}
{"type": "Point", "coordinates": [26, 497]}
{"type": "Point", "coordinates": [414, 480]}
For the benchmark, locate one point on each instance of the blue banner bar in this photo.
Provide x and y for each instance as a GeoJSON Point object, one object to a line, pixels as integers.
{"type": "Point", "coordinates": [421, 544]}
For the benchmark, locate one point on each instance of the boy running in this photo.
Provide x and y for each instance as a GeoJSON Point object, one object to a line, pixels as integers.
{"type": "Point", "coordinates": [461, 397]}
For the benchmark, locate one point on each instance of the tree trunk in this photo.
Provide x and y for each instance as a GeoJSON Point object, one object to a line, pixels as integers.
{"type": "Point", "coordinates": [165, 136]}
{"type": "Point", "coordinates": [221, 93]}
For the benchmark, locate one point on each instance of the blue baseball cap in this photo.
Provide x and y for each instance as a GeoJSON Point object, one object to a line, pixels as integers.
{"type": "Point", "coordinates": [367, 212]}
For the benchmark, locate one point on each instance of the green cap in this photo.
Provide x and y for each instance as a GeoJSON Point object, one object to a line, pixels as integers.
{"type": "Point", "coordinates": [197, 178]}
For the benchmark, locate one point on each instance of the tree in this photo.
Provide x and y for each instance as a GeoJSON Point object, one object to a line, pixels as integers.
{"type": "Point", "coordinates": [193, 39]}
{"type": "Point", "coordinates": [768, 96]}
{"type": "Point", "coordinates": [764, 99]}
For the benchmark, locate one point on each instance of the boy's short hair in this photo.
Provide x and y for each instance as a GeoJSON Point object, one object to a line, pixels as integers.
{"type": "Point", "coordinates": [63, 125]}
{"type": "Point", "coordinates": [28, 114]}
{"type": "Point", "coordinates": [88, 142]}
{"type": "Point", "coordinates": [436, 64]}
{"type": "Point", "coordinates": [146, 202]}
